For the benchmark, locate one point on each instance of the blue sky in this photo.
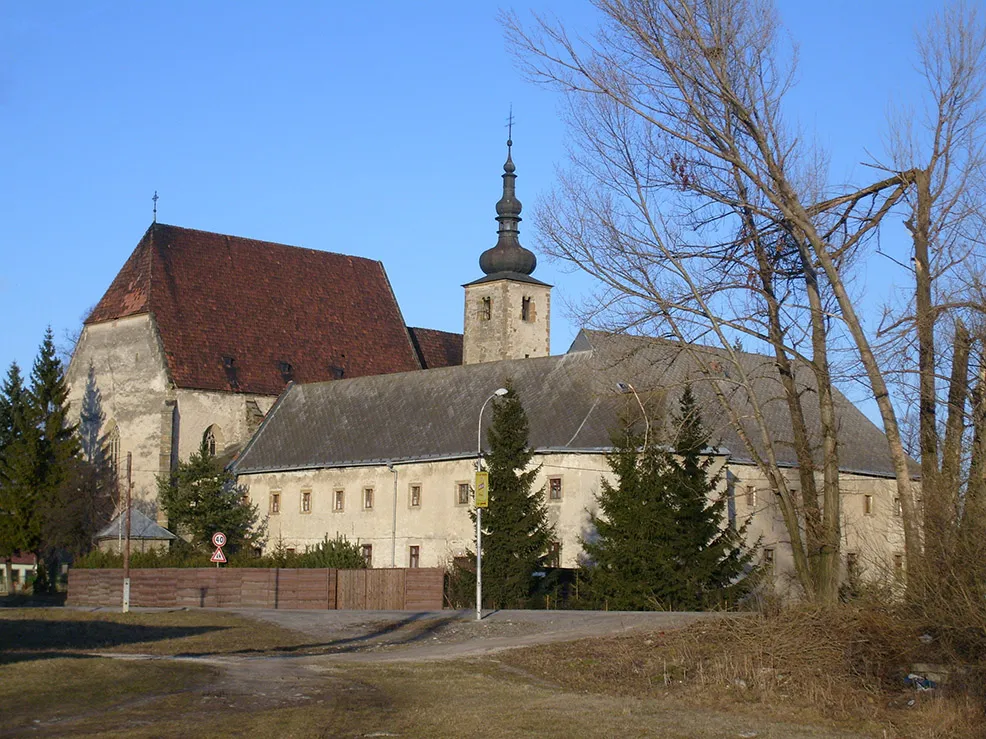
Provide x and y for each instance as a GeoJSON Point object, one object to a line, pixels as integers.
{"type": "Point", "coordinates": [374, 129]}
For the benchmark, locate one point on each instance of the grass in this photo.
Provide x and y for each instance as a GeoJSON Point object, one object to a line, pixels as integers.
{"type": "Point", "coordinates": [800, 675]}
{"type": "Point", "coordinates": [25, 633]}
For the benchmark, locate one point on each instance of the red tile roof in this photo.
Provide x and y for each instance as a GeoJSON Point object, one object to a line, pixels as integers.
{"type": "Point", "coordinates": [437, 348]}
{"type": "Point", "coordinates": [278, 312]}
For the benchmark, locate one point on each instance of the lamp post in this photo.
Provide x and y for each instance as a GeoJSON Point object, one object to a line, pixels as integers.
{"type": "Point", "coordinates": [499, 393]}
{"type": "Point", "coordinates": [626, 387]}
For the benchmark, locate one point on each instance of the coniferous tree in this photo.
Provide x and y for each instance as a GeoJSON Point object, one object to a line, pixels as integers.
{"type": "Point", "coordinates": [13, 407]}
{"type": "Point", "coordinates": [660, 539]}
{"type": "Point", "coordinates": [516, 534]}
{"type": "Point", "coordinates": [86, 498]}
{"type": "Point", "coordinates": [201, 497]}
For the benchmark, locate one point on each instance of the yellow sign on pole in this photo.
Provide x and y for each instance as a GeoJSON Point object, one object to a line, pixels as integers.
{"type": "Point", "coordinates": [482, 489]}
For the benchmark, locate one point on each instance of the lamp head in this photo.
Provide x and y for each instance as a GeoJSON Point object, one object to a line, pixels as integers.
{"type": "Point", "coordinates": [500, 392]}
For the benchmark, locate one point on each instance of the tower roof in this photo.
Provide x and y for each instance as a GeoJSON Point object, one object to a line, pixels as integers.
{"type": "Point", "coordinates": [508, 257]}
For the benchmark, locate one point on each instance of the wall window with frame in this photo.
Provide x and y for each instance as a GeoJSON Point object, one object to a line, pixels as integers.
{"type": "Point", "coordinates": [275, 503]}
{"type": "Point", "coordinates": [554, 555]}
{"type": "Point", "coordinates": [367, 499]}
{"type": "Point", "coordinates": [751, 496]}
{"type": "Point", "coordinates": [768, 560]}
{"type": "Point", "coordinates": [306, 501]}
{"type": "Point", "coordinates": [897, 507]}
{"type": "Point", "coordinates": [339, 500]}
{"type": "Point", "coordinates": [898, 565]}
{"type": "Point", "coordinates": [414, 557]}
{"type": "Point", "coordinates": [868, 505]}
{"type": "Point", "coordinates": [554, 488]}
{"type": "Point", "coordinates": [367, 551]}
{"type": "Point", "coordinates": [414, 496]}
{"type": "Point", "coordinates": [462, 490]}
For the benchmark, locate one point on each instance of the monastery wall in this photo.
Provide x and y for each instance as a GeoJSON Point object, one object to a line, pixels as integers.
{"type": "Point", "coordinates": [441, 527]}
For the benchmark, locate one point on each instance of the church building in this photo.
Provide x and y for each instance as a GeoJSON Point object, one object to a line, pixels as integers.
{"type": "Point", "coordinates": [200, 332]}
{"type": "Point", "coordinates": [387, 459]}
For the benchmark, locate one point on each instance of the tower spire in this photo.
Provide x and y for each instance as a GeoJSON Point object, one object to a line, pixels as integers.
{"type": "Point", "coordinates": [508, 255]}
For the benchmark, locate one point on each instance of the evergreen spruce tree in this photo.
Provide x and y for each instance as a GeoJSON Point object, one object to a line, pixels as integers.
{"type": "Point", "coordinates": [38, 460]}
{"type": "Point", "coordinates": [86, 498]}
{"type": "Point", "coordinates": [660, 541]}
{"type": "Point", "coordinates": [201, 497]}
{"type": "Point", "coordinates": [516, 534]}
{"type": "Point", "coordinates": [13, 407]}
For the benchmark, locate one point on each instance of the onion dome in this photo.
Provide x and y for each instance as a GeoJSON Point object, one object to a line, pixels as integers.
{"type": "Point", "coordinates": [508, 255]}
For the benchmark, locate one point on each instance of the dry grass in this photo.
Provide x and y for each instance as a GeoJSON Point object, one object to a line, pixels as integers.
{"type": "Point", "coordinates": [843, 664]}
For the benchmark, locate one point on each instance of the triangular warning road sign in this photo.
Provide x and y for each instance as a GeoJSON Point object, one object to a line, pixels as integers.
{"type": "Point", "coordinates": [218, 555]}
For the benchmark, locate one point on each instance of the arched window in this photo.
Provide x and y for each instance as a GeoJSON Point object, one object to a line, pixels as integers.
{"type": "Point", "coordinates": [213, 440]}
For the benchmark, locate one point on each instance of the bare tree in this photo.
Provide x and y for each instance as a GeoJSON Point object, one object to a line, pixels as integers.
{"type": "Point", "coordinates": [699, 209]}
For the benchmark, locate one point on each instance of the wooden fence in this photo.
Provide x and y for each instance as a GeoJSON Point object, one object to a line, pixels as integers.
{"type": "Point", "coordinates": [413, 589]}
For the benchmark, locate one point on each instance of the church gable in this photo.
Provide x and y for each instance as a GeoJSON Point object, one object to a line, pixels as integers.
{"type": "Point", "coordinates": [249, 316]}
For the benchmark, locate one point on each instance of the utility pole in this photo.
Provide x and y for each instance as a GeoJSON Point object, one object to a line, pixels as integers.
{"type": "Point", "coordinates": [126, 541]}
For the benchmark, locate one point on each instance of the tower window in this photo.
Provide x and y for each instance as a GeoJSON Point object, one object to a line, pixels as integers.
{"type": "Point", "coordinates": [527, 309]}
{"type": "Point", "coordinates": [486, 309]}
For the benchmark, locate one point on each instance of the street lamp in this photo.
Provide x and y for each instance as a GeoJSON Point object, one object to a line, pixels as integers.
{"type": "Point", "coordinates": [499, 393]}
{"type": "Point", "coordinates": [626, 387]}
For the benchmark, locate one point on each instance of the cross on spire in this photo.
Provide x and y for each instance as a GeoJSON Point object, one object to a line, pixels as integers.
{"type": "Point", "coordinates": [510, 126]}
{"type": "Point", "coordinates": [155, 199]}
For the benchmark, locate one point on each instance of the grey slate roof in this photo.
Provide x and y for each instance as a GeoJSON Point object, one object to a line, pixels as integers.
{"type": "Point", "coordinates": [141, 527]}
{"type": "Point", "coordinates": [571, 401]}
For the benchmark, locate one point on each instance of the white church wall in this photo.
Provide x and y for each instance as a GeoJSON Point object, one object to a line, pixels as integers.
{"type": "Point", "coordinates": [133, 381]}
{"type": "Point", "coordinates": [200, 409]}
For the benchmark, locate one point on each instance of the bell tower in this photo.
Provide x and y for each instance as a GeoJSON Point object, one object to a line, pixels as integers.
{"type": "Point", "coordinates": [507, 311]}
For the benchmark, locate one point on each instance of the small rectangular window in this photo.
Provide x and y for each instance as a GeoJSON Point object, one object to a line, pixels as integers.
{"type": "Point", "coordinates": [868, 505]}
{"type": "Point", "coordinates": [852, 564]}
{"type": "Point", "coordinates": [462, 493]}
{"type": "Point", "coordinates": [414, 557]}
{"type": "Point", "coordinates": [554, 488]}
{"type": "Point", "coordinates": [526, 309]}
{"type": "Point", "coordinates": [554, 555]}
{"type": "Point", "coordinates": [367, 498]}
{"type": "Point", "coordinates": [306, 501]}
{"type": "Point", "coordinates": [485, 309]}
{"type": "Point", "coordinates": [751, 496]}
{"type": "Point", "coordinates": [898, 565]}
{"type": "Point", "coordinates": [768, 560]}
{"type": "Point", "coordinates": [275, 503]}
{"type": "Point", "coordinates": [415, 496]}
{"type": "Point", "coordinates": [367, 551]}
{"type": "Point", "coordinates": [896, 506]}
{"type": "Point", "coordinates": [339, 500]}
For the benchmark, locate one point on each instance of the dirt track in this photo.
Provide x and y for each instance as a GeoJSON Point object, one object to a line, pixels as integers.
{"type": "Point", "coordinates": [391, 636]}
